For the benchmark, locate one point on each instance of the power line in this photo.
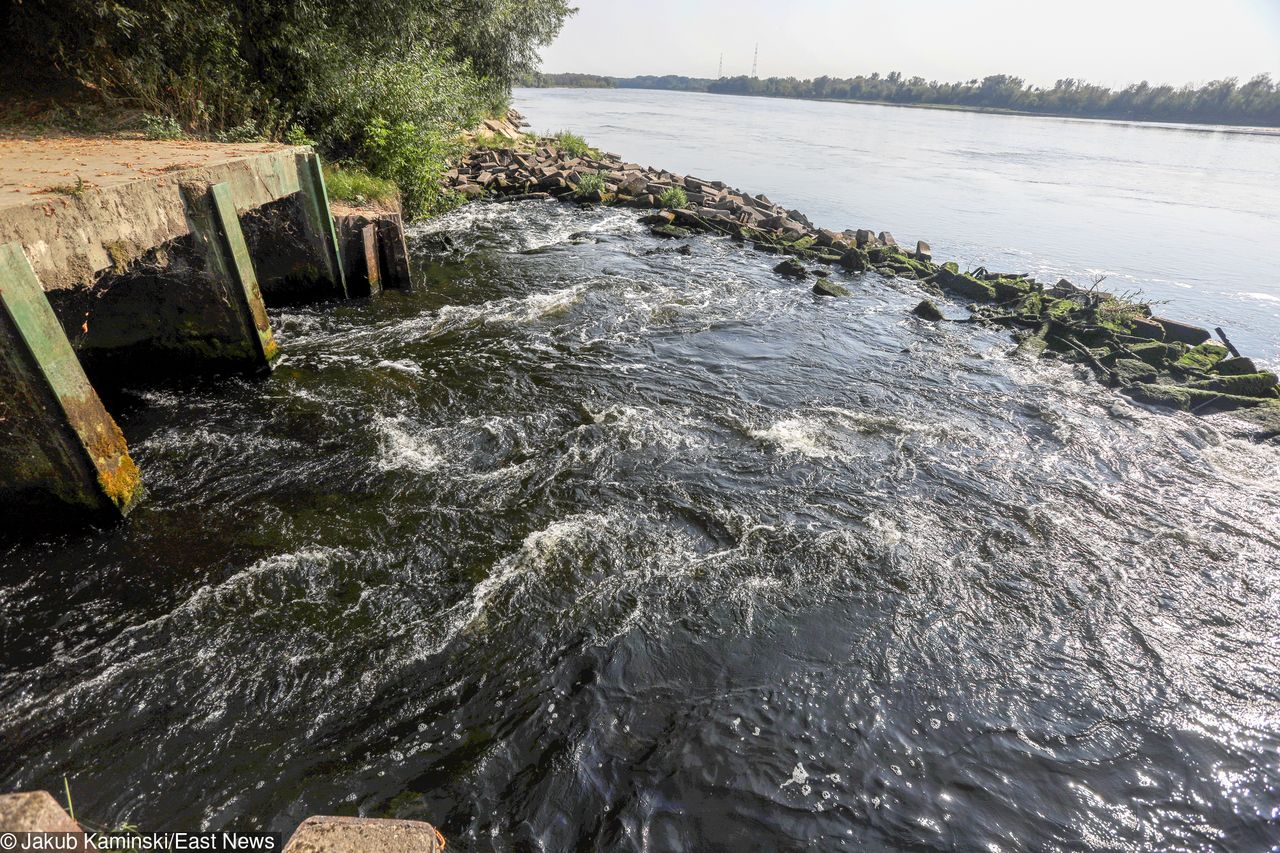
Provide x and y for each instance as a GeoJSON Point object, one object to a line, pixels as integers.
{"type": "Point", "coordinates": [755, 62]}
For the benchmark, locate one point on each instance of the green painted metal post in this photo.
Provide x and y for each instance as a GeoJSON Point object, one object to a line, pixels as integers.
{"type": "Point", "coordinates": [315, 204]}
{"type": "Point", "coordinates": [217, 227]}
{"type": "Point", "coordinates": [59, 442]}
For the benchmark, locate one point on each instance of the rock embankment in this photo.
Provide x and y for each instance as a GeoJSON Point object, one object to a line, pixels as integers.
{"type": "Point", "coordinates": [1154, 360]}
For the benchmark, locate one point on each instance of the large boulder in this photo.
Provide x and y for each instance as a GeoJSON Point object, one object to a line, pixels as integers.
{"type": "Point", "coordinates": [923, 252]}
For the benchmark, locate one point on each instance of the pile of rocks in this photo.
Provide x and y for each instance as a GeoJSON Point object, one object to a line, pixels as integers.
{"type": "Point", "coordinates": [1154, 360]}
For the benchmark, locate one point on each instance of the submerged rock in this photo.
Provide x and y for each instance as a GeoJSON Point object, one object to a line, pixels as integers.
{"type": "Point", "coordinates": [827, 287]}
{"type": "Point", "coordinates": [669, 231]}
{"type": "Point", "coordinates": [791, 268]}
{"type": "Point", "coordinates": [926, 310]}
{"type": "Point", "coordinates": [1130, 370]}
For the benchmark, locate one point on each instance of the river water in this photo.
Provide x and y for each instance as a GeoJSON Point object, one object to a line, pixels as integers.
{"type": "Point", "coordinates": [1185, 215]}
{"type": "Point", "coordinates": [589, 544]}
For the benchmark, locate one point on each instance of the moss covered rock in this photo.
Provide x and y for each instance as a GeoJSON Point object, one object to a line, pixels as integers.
{"type": "Point", "coordinates": [827, 287]}
{"type": "Point", "coordinates": [965, 285]}
{"type": "Point", "coordinates": [791, 268]}
{"type": "Point", "coordinates": [1260, 384]}
{"type": "Point", "coordinates": [1203, 356]}
{"type": "Point", "coordinates": [1190, 399]}
{"type": "Point", "coordinates": [1237, 366]}
{"type": "Point", "coordinates": [1129, 370]}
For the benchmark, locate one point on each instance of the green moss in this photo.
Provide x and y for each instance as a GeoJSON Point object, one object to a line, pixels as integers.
{"type": "Point", "coordinates": [966, 285]}
{"type": "Point", "coordinates": [855, 260]}
{"type": "Point", "coordinates": [1203, 356]}
{"type": "Point", "coordinates": [1155, 353]}
{"type": "Point", "coordinates": [827, 287]}
{"type": "Point", "coordinates": [922, 269]}
{"type": "Point", "coordinates": [886, 255]}
{"type": "Point", "coordinates": [1191, 399]}
{"type": "Point", "coordinates": [1260, 384]}
{"type": "Point", "coordinates": [1011, 288]}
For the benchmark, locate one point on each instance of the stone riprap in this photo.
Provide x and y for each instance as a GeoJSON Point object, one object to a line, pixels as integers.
{"type": "Point", "coordinates": [1153, 360]}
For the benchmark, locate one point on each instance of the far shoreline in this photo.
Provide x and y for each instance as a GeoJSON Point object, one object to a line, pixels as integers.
{"type": "Point", "coordinates": [1195, 126]}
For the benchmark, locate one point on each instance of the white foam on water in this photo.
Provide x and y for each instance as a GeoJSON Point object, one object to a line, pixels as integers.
{"type": "Point", "coordinates": [518, 311]}
{"type": "Point", "coordinates": [800, 435]}
{"type": "Point", "coordinates": [535, 553]}
{"type": "Point", "coordinates": [403, 365]}
{"type": "Point", "coordinates": [406, 446]}
{"type": "Point", "coordinates": [131, 653]}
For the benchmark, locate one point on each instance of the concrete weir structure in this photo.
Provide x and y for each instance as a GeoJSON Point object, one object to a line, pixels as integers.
{"type": "Point", "coordinates": [125, 259]}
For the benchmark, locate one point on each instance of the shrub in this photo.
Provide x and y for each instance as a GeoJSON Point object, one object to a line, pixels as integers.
{"type": "Point", "coordinates": [673, 198]}
{"type": "Point", "coordinates": [413, 158]}
{"type": "Point", "coordinates": [590, 183]}
{"type": "Point", "coordinates": [573, 145]}
{"type": "Point", "coordinates": [161, 127]}
{"type": "Point", "coordinates": [296, 135]}
{"type": "Point", "coordinates": [246, 131]}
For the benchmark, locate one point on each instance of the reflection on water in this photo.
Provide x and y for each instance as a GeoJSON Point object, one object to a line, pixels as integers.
{"type": "Point", "coordinates": [1185, 216]}
{"type": "Point", "coordinates": [592, 546]}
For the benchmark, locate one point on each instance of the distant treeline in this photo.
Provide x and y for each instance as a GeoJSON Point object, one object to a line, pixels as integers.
{"type": "Point", "coordinates": [1229, 101]}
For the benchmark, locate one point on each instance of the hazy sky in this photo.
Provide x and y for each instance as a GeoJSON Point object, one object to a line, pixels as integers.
{"type": "Point", "coordinates": [1103, 41]}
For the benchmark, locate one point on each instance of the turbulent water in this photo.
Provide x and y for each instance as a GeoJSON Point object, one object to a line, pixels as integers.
{"type": "Point", "coordinates": [1184, 215]}
{"type": "Point", "coordinates": [587, 544]}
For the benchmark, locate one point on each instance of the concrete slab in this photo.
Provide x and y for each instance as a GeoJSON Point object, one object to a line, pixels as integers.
{"type": "Point", "coordinates": [364, 835]}
{"type": "Point", "coordinates": [129, 202]}
{"type": "Point", "coordinates": [31, 166]}
{"type": "Point", "coordinates": [34, 811]}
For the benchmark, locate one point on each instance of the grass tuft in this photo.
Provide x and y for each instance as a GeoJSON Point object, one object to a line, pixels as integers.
{"type": "Point", "coordinates": [356, 187]}
{"type": "Point", "coordinates": [673, 198]}
{"type": "Point", "coordinates": [74, 190]}
{"type": "Point", "coordinates": [574, 145]}
{"type": "Point", "coordinates": [588, 184]}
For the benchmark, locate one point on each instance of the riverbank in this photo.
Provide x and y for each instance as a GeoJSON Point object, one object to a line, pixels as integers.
{"type": "Point", "coordinates": [1154, 360]}
{"type": "Point", "coordinates": [1219, 102]}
